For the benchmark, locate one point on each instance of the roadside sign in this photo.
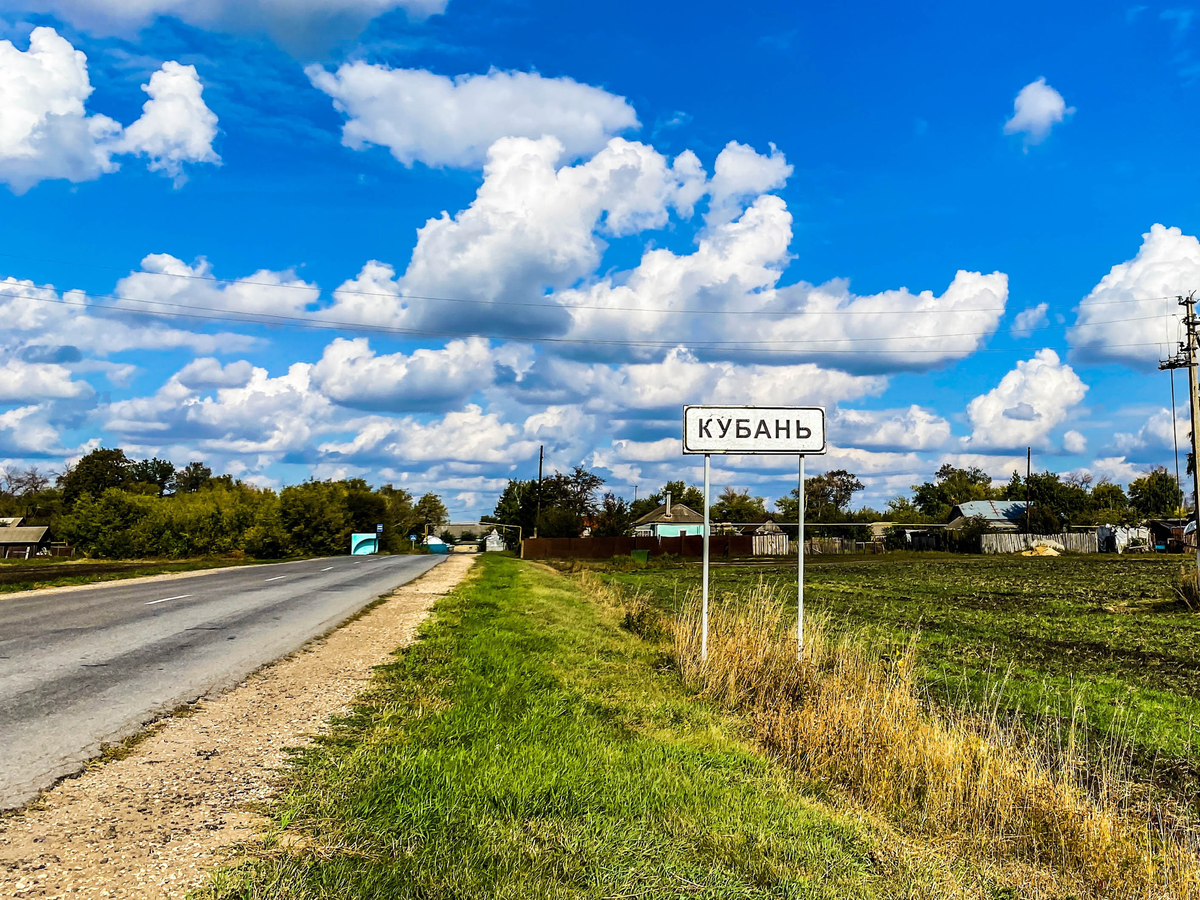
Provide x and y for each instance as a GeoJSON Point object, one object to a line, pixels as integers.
{"type": "Point", "coordinates": [755, 431]}
{"type": "Point", "coordinates": [789, 430]}
{"type": "Point", "coordinates": [379, 529]}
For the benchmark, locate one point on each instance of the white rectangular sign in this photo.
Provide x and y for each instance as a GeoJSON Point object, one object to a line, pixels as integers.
{"type": "Point", "coordinates": [754, 429]}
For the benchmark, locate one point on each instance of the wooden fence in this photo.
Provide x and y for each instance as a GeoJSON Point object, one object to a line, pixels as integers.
{"type": "Point", "coordinates": [771, 545]}
{"type": "Point", "coordinates": [1075, 542]}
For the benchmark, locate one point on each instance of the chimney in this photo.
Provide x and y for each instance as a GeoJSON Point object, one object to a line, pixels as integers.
{"type": "Point", "coordinates": [667, 514]}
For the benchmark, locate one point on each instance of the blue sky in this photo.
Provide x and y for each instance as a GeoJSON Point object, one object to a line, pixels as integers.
{"type": "Point", "coordinates": [628, 208]}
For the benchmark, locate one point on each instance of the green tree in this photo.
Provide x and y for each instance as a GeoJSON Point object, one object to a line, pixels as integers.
{"type": "Point", "coordinates": [902, 509]}
{"type": "Point", "coordinates": [157, 472]}
{"type": "Point", "coordinates": [430, 511]}
{"type": "Point", "coordinates": [314, 517]}
{"type": "Point", "coordinates": [689, 495]}
{"type": "Point", "coordinates": [738, 506]}
{"type": "Point", "coordinates": [615, 518]}
{"type": "Point", "coordinates": [560, 522]}
{"type": "Point", "coordinates": [1107, 495]}
{"type": "Point", "coordinates": [192, 477]}
{"type": "Point", "coordinates": [1156, 494]}
{"type": "Point", "coordinates": [94, 474]}
{"type": "Point", "coordinates": [950, 487]}
{"type": "Point", "coordinates": [400, 518]}
{"type": "Point", "coordinates": [517, 505]}
{"type": "Point", "coordinates": [826, 497]}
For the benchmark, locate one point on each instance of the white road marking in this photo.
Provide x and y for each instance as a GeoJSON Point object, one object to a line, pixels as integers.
{"type": "Point", "coordinates": [276, 578]}
{"type": "Point", "coordinates": [165, 599]}
{"type": "Point", "coordinates": [327, 569]}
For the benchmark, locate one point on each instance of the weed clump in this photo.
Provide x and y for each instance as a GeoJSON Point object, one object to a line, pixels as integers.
{"type": "Point", "coordinates": [1187, 588]}
{"type": "Point", "coordinates": [852, 718]}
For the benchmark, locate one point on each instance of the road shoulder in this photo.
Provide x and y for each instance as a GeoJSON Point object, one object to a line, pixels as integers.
{"type": "Point", "coordinates": [149, 825]}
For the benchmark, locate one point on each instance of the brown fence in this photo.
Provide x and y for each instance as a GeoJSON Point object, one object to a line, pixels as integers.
{"type": "Point", "coordinates": [605, 548]}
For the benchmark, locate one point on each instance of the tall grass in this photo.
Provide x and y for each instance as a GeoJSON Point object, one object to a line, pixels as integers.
{"type": "Point", "coordinates": [1035, 813]}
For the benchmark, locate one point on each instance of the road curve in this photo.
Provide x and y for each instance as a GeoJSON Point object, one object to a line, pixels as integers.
{"type": "Point", "coordinates": [79, 668]}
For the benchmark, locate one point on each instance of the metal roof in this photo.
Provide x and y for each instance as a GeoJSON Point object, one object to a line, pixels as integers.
{"type": "Point", "coordinates": [28, 534]}
{"type": "Point", "coordinates": [680, 515]}
{"type": "Point", "coordinates": [992, 510]}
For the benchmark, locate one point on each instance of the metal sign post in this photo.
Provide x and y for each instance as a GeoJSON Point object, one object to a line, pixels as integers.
{"type": "Point", "coordinates": [753, 431]}
{"type": "Point", "coordinates": [800, 504]}
{"type": "Point", "coordinates": [704, 592]}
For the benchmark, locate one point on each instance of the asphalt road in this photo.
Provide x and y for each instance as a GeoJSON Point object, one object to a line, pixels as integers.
{"type": "Point", "coordinates": [82, 667]}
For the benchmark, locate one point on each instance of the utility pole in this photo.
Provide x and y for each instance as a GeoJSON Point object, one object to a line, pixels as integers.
{"type": "Point", "coordinates": [1028, 475]}
{"type": "Point", "coordinates": [1187, 358]}
{"type": "Point", "coordinates": [541, 456]}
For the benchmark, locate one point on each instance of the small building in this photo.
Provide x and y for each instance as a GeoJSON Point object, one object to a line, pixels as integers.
{"type": "Point", "coordinates": [1167, 535]}
{"type": "Point", "coordinates": [669, 520]}
{"type": "Point", "coordinates": [494, 543]}
{"type": "Point", "coordinates": [1001, 515]}
{"type": "Point", "coordinates": [11, 521]}
{"type": "Point", "coordinates": [24, 541]}
{"type": "Point", "coordinates": [471, 531]}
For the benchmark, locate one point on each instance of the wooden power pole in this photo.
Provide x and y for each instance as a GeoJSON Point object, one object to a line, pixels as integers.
{"type": "Point", "coordinates": [1187, 358]}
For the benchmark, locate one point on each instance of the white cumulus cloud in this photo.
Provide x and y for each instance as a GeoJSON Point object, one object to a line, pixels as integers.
{"type": "Point", "coordinates": [1074, 442]}
{"type": "Point", "coordinates": [22, 381]}
{"type": "Point", "coordinates": [914, 428]}
{"type": "Point", "coordinates": [46, 133]}
{"type": "Point", "coordinates": [1155, 434]}
{"type": "Point", "coordinates": [164, 282]}
{"type": "Point", "coordinates": [353, 375]}
{"type": "Point", "coordinates": [531, 226]}
{"type": "Point", "coordinates": [38, 317]}
{"type": "Point", "coordinates": [1030, 401]}
{"type": "Point", "coordinates": [1131, 316]}
{"type": "Point", "coordinates": [1029, 319]}
{"type": "Point", "coordinates": [740, 174]}
{"type": "Point", "coordinates": [1037, 109]}
{"type": "Point", "coordinates": [176, 125]}
{"type": "Point", "coordinates": [440, 121]}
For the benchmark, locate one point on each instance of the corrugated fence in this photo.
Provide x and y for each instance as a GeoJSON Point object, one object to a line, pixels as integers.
{"type": "Point", "coordinates": [1076, 542]}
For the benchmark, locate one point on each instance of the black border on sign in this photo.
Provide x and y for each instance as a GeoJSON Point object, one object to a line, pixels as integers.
{"type": "Point", "coordinates": [824, 434]}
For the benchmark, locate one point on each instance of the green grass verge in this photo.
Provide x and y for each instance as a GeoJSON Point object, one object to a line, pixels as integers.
{"type": "Point", "coordinates": [527, 747]}
{"type": "Point", "coordinates": [34, 574]}
{"type": "Point", "coordinates": [1097, 630]}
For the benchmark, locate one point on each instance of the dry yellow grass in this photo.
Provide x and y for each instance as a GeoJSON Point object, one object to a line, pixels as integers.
{"type": "Point", "coordinates": [982, 791]}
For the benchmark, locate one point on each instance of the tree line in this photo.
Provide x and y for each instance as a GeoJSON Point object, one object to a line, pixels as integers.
{"type": "Point", "coordinates": [108, 505]}
{"type": "Point", "coordinates": [568, 503]}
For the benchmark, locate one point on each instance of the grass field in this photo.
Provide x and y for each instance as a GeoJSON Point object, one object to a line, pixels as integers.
{"type": "Point", "coordinates": [527, 746]}
{"type": "Point", "coordinates": [1038, 636]}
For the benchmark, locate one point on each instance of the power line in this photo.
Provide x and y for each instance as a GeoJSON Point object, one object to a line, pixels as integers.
{"type": "Point", "coordinates": [795, 345]}
{"type": "Point", "coordinates": [211, 279]}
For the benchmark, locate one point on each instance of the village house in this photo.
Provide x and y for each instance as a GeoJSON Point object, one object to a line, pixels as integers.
{"type": "Point", "coordinates": [1001, 515]}
{"type": "Point", "coordinates": [669, 520]}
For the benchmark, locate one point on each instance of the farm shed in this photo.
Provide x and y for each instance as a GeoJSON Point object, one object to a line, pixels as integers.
{"type": "Point", "coordinates": [1166, 535]}
{"type": "Point", "coordinates": [1001, 515]}
{"type": "Point", "coordinates": [24, 541]}
{"type": "Point", "coordinates": [11, 521]}
{"type": "Point", "coordinates": [670, 520]}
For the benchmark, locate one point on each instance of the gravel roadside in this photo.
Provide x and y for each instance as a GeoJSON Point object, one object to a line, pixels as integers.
{"type": "Point", "coordinates": [151, 824]}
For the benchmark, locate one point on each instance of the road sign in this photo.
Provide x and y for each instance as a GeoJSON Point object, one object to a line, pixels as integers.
{"type": "Point", "coordinates": [379, 529]}
{"type": "Point", "coordinates": [753, 431]}
{"type": "Point", "coordinates": [787, 430]}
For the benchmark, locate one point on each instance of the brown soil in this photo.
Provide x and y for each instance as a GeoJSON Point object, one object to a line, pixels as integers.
{"type": "Point", "coordinates": [151, 824]}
